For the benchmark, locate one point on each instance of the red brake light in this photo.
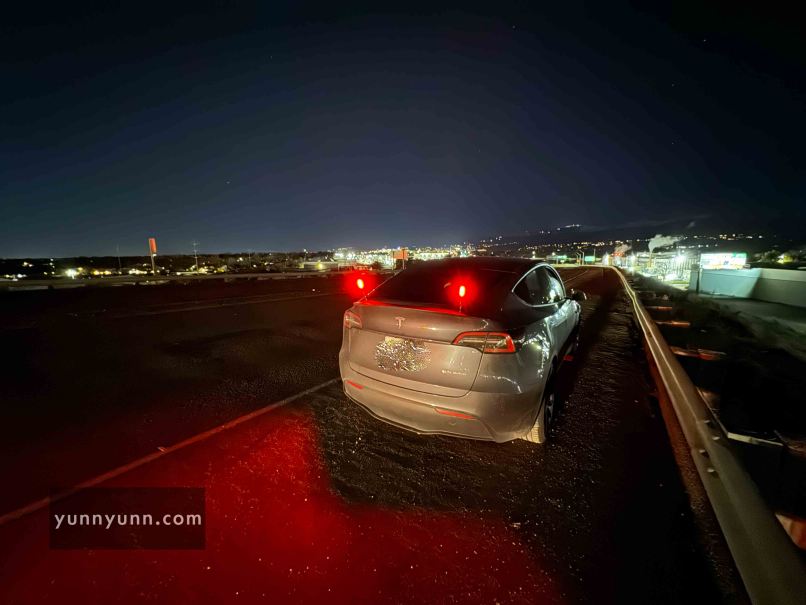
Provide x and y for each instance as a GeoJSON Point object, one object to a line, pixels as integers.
{"type": "Point", "coordinates": [499, 342]}
{"type": "Point", "coordinates": [486, 342]}
{"type": "Point", "coordinates": [351, 320]}
{"type": "Point", "coordinates": [471, 339]}
{"type": "Point", "coordinates": [462, 291]}
{"type": "Point", "coordinates": [358, 284]}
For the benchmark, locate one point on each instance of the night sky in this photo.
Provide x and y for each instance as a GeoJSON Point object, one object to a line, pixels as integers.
{"type": "Point", "coordinates": [276, 127]}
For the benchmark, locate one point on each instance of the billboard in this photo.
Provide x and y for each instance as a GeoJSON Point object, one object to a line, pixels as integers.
{"type": "Point", "coordinates": [723, 260]}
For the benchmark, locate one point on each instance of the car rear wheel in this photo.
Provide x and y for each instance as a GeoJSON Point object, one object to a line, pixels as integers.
{"type": "Point", "coordinates": [539, 432]}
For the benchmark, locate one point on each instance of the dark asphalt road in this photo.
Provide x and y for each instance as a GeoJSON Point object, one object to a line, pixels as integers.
{"type": "Point", "coordinates": [316, 501]}
{"type": "Point", "coordinates": [97, 381]}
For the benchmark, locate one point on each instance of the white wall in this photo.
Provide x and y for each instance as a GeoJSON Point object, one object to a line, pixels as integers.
{"type": "Point", "coordinates": [782, 286]}
{"type": "Point", "coordinates": [771, 285]}
{"type": "Point", "coordinates": [728, 282]}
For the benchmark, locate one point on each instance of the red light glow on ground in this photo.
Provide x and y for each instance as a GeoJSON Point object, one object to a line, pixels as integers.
{"type": "Point", "coordinates": [276, 532]}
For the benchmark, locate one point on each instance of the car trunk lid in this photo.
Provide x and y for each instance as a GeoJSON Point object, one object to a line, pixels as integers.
{"type": "Point", "coordinates": [411, 347]}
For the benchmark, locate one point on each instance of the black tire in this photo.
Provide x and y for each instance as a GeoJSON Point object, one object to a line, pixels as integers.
{"type": "Point", "coordinates": [539, 433]}
{"type": "Point", "coordinates": [573, 345]}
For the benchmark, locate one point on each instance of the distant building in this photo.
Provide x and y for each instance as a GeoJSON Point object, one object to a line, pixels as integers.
{"type": "Point", "coordinates": [319, 265]}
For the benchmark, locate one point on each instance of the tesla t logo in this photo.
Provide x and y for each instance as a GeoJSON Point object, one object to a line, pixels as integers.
{"type": "Point", "coordinates": [400, 321]}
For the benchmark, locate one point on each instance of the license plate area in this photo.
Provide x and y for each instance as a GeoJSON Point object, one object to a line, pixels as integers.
{"type": "Point", "coordinates": [396, 354]}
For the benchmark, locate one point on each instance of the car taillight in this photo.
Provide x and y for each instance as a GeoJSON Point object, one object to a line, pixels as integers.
{"type": "Point", "coordinates": [351, 320]}
{"type": "Point", "coordinates": [486, 342]}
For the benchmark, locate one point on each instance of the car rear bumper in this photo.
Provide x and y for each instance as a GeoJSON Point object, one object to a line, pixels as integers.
{"type": "Point", "coordinates": [490, 416]}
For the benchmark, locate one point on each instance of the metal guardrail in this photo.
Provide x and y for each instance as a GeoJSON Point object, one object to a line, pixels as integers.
{"type": "Point", "coordinates": [771, 567]}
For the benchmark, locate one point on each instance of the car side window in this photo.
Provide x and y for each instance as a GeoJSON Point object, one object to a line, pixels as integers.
{"type": "Point", "coordinates": [522, 291]}
{"type": "Point", "coordinates": [526, 287]}
{"type": "Point", "coordinates": [542, 295]}
{"type": "Point", "coordinates": [556, 289]}
{"type": "Point", "coordinates": [537, 288]}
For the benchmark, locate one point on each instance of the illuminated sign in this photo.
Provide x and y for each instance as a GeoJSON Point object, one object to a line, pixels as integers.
{"type": "Point", "coordinates": [590, 259]}
{"type": "Point", "coordinates": [723, 260]}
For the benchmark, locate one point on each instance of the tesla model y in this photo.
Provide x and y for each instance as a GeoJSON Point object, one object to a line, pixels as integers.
{"type": "Point", "coordinates": [463, 346]}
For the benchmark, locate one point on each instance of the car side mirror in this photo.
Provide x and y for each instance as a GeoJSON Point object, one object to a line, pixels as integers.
{"type": "Point", "coordinates": [577, 295]}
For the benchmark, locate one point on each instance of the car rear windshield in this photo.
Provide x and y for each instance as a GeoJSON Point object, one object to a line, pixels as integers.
{"type": "Point", "coordinates": [437, 286]}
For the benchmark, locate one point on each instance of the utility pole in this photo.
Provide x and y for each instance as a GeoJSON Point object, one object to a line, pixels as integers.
{"type": "Point", "coordinates": [195, 256]}
{"type": "Point", "coordinates": [120, 267]}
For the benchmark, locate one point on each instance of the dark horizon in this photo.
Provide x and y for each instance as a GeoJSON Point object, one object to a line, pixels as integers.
{"type": "Point", "coordinates": [281, 128]}
{"type": "Point", "coordinates": [789, 234]}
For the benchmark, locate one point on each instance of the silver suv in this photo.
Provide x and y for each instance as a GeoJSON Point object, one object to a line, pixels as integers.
{"type": "Point", "coordinates": [464, 346]}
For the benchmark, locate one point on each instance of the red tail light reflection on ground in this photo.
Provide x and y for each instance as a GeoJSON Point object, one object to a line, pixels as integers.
{"type": "Point", "coordinates": [276, 532]}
